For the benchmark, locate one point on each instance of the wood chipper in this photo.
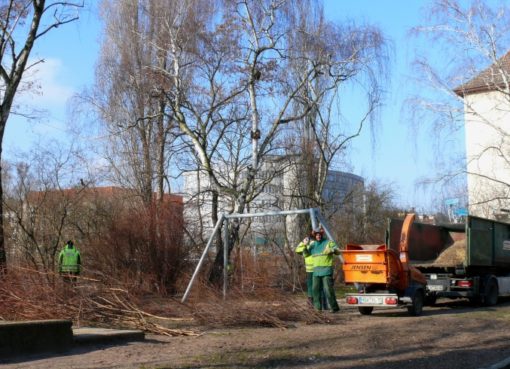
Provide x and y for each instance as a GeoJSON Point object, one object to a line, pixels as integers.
{"type": "Point", "coordinates": [383, 277]}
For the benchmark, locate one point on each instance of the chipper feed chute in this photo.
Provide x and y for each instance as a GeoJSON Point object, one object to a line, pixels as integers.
{"type": "Point", "coordinates": [371, 264]}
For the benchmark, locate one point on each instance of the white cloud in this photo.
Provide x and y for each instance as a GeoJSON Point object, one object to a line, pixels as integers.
{"type": "Point", "coordinates": [48, 91]}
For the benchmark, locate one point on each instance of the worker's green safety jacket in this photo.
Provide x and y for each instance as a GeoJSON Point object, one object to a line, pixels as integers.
{"type": "Point", "coordinates": [69, 260]}
{"type": "Point", "coordinates": [322, 254]}
{"type": "Point", "coordinates": [301, 249]}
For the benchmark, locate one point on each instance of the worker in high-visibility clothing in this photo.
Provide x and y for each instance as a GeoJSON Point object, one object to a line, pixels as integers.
{"type": "Point", "coordinates": [69, 262]}
{"type": "Point", "coordinates": [301, 249]}
{"type": "Point", "coordinates": [322, 252]}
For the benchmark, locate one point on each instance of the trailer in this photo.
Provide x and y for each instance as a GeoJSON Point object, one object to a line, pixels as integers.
{"type": "Point", "coordinates": [468, 260]}
{"type": "Point", "coordinates": [383, 277]}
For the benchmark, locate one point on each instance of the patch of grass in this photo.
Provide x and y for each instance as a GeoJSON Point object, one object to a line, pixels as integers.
{"type": "Point", "coordinates": [491, 314]}
{"type": "Point", "coordinates": [262, 358]}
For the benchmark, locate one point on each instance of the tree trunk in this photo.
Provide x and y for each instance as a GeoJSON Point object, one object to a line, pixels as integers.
{"type": "Point", "coordinates": [3, 256]}
{"type": "Point", "coordinates": [216, 274]}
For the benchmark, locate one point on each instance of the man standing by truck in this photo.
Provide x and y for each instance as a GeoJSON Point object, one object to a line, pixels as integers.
{"type": "Point", "coordinates": [322, 252]}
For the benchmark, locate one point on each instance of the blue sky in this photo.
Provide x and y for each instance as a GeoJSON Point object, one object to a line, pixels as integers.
{"type": "Point", "coordinates": [402, 154]}
{"type": "Point", "coordinates": [69, 55]}
{"type": "Point", "coordinates": [397, 157]}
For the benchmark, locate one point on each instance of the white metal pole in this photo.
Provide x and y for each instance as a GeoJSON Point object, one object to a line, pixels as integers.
{"type": "Point", "coordinates": [202, 258]}
{"type": "Point", "coordinates": [312, 217]}
{"type": "Point", "coordinates": [268, 213]}
{"type": "Point", "coordinates": [225, 258]}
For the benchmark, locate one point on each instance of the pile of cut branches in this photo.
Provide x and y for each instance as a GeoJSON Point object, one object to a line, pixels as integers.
{"type": "Point", "coordinates": [265, 307]}
{"type": "Point", "coordinates": [31, 295]}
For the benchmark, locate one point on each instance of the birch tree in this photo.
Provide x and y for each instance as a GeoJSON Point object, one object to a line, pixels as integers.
{"type": "Point", "coordinates": [255, 46]}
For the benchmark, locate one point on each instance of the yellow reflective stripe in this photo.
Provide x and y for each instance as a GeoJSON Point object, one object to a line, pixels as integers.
{"type": "Point", "coordinates": [320, 260]}
{"type": "Point", "coordinates": [309, 263]}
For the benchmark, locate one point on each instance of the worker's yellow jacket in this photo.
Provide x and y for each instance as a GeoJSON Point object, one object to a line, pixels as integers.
{"type": "Point", "coordinates": [301, 249]}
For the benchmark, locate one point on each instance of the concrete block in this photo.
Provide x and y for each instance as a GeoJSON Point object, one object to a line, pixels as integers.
{"type": "Point", "coordinates": [30, 337]}
{"type": "Point", "coordinates": [88, 335]}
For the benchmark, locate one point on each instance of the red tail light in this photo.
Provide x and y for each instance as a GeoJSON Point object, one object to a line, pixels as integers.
{"type": "Point", "coordinates": [390, 301]}
{"type": "Point", "coordinates": [352, 300]}
{"type": "Point", "coordinates": [465, 283]}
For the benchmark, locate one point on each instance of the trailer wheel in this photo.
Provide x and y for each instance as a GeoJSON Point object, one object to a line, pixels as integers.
{"type": "Point", "coordinates": [417, 306]}
{"type": "Point", "coordinates": [490, 297]}
{"type": "Point", "coordinates": [365, 310]}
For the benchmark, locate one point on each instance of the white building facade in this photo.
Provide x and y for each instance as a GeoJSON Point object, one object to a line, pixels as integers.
{"type": "Point", "coordinates": [487, 129]}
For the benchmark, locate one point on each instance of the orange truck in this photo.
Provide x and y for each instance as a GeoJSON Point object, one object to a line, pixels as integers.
{"type": "Point", "coordinates": [384, 277]}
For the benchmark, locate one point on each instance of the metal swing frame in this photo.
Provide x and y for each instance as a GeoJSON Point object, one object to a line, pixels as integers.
{"type": "Point", "coordinates": [315, 216]}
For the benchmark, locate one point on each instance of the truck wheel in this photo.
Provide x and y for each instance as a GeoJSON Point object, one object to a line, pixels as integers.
{"type": "Point", "coordinates": [475, 300]}
{"type": "Point", "coordinates": [365, 310]}
{"type": "Point", "coordinates": [490, 297]}
{"type": "Point", "coordinates": [417, 306]}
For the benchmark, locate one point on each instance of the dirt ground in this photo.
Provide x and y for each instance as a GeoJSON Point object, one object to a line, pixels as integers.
{"type": "Point", "coordinates": [449, 335]}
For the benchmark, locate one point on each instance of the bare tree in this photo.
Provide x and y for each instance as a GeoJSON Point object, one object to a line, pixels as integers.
{"type": "Point", "coordinates": [22, 23]}
{"type": "Point", "coordinates": [467, 87]}
{"type": "Point", "coordinates": [260, 62]}
{"type": "Point", "coordinates": [231, 78]}
{"type": "Point", "coordinates": [355, 57]}
{"type": "Point", "coordinates": [129, 97]}
{"type": "Point", "coordinates": [44, 194]}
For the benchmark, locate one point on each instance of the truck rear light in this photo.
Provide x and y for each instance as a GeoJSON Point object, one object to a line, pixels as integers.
{"type": "Point", "coordinates": [352, 300]}
{"type": "Point", "coordinates": [390, 301]}
{"type": "Point", "coordinates": [465, 283]}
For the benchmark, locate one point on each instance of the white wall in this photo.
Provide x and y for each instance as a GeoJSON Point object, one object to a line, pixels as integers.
{"type": "Point", "coordinates": [487, 127]}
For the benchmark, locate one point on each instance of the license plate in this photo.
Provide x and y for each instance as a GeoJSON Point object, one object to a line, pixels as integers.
{"type": "Point", "coordinates": [436, 287]}
{"type": "Point", "coordinates": [371, 300]}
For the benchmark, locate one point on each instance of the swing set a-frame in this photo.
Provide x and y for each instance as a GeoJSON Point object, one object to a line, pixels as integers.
{"type": "Point", "coordinates": [315, 217]}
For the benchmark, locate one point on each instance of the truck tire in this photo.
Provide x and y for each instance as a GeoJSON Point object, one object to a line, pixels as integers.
{"type": "Point", "coordinates": [490, 297]}
{"type": "Point", "coordinates": [475, 300]}
{"type": "Point", "coordinates": [365, 310]}
{"type": "Point", "coordinates": [416, 307]}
